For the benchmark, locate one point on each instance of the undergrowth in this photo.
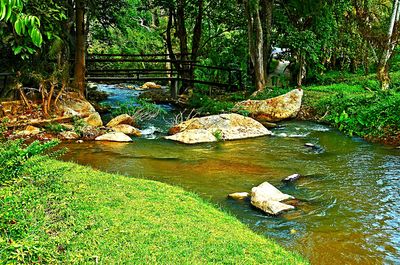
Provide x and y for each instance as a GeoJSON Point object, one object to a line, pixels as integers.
{"type": "Point", "coordinates": [370, 115]}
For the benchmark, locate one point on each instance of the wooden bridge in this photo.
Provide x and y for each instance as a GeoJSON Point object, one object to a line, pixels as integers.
{"type": "Point", "coordinates": [159, 68]}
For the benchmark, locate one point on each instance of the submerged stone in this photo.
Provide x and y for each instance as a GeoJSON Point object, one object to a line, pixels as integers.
{"type": "Point", "coordinates": [239, 195]}
{"type": "Point", "coordinates": [292, 178]}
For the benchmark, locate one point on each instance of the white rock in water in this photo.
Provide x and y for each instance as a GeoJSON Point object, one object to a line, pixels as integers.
{"type": "Point", "coordinates": [150, 85]}
{"type": "Point", "coordinates": [193, 137]}
{"type": "Point", "coordinates": [219, 127]}
{"type": "Point", "coordinates": [268, 198]}
{"type": "Point", "coordinates": [292, 178]}
{"type": "Point", "coordinates": [121, 119]}
{"type": "Point", "coordinates": [239, 195]}
{"type": "Point", "coordinates": [127, 129]}
{"type": "Point", "coordinates": [114, 137]}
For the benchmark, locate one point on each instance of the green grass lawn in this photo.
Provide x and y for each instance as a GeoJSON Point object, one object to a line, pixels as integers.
{"type": "Point", "coordinates": [68, 214]}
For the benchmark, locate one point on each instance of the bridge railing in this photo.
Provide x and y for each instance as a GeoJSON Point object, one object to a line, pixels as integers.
{"type": "Point", "coordinates": [158, 67]}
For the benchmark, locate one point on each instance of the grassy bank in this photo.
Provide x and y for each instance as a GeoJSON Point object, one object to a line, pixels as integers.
{"type": "Point", "coordinates": [57, 212]}
{"type": "Point", "coordinates": [355, 110]}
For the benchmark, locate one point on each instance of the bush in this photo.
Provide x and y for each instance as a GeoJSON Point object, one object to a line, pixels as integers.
{"type": "Point", "coordinates": [139, 109]}
{"type": "Point", "coordinates": [366, 115]}
{"type": "Point", "coordinates": [206, 105]}
{"type": "Point", "coordinates": [15, 157]}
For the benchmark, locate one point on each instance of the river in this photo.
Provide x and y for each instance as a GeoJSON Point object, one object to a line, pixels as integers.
{"type": "Point", "coordinates": [349, 211]}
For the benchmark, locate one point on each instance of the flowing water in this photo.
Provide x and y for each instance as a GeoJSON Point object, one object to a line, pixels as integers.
{"type": "Point", "coordinates": [349, 211]}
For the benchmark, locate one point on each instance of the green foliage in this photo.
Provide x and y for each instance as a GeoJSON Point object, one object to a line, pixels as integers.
{"type": "Point", "coordinates": [270, 93]}
{"type": "Point", "coordinates": [79, 125]}
{"type": "Point", "coordinates": [206, 105]}
{"type": "Point", "coordinates": [55, 128]}
{"type": "Point", "coordinates": [365, 115]}
{"type": "Point", "coordinates": [25, 25]}
{"type": "Point", "coordinates": [139, 109]}
{"type": "Point", "coordinates": [30, 210]}
{"type": "Point", "coordinates": [15, 157]}
{"type": "Point", "coordinates": [218, 135]}
{"type": "Point", "coordinates": [3, 128]}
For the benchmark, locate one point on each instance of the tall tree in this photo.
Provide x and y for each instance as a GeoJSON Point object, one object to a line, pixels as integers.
{"type": "Point", "coordinates": [80, 47]}
{"type": "Point", "coordinates": [255, 33]}
{"type": "Point", "coordinates": [390, 43]}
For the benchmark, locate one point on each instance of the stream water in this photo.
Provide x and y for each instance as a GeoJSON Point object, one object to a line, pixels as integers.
{"type": "Point", "coordinates": [349, 211]}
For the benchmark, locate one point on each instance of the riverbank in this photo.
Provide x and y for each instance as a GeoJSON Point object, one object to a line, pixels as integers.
{"type": "Point", "coordinates": [355, 111]}
{"type": "Point", "coordinates": [62, 212]}
{"type": "Point", "coordinates": [352, 103]}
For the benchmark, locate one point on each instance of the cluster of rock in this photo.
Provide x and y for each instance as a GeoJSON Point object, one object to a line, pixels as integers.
{"type": "Point", "coordinates": [118, 129]}
{"type": "Point", "coordinates": [122, 129]}
{"type": "Point", "coordinates": [198, 130]}
{"type": "Point", "coordinates": [267, 198]}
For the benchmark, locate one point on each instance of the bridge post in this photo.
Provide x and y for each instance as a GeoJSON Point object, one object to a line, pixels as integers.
{"type": "Point", "coordinates": [174, 88]}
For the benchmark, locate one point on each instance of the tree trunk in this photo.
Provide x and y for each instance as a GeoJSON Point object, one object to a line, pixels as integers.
{"type": "Point", "coordinates": [197, 34]}
{"type": "Point", "coordinates": [301, 74]}
{"type": "Point", "coordinates": [183, 45]}
{"type": "Point", "coordinates": [250, 28]}
{"type": "Point", "coordinates": [259, 53]}
{"type": "Point", "coordinates": [390, 45]}
{"type": "Point", "coordinates": [256, 43]}
{"type": "Point", "coordinates": [80, 47]}
{"type": "Point", "coordinates": [383, 76]}
{"type": "Point", "coordinates": [266, 19]}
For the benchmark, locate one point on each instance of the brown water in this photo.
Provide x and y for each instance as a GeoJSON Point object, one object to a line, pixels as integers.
{"type": "Point", "coordinates": [349, 214]}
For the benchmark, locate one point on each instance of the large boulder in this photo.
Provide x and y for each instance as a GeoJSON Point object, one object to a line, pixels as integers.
{"type": "Point", "coordinates": [217, 127]}
{"type": "Point", "coordinates": [73, 105]}
{"type": "Point", "coordinates": [94, 120]}
{"type": "Point", "coordinates": [269, 199]}
{"type": "Point", "coordinates": [114, 137]}
{"type": "Point", "coordinates": [150, 85]}
{"type": "Point", "coordinates": [69, 135]}
{"type": "Point", "coordinates": [127, 129]}
{"type": "Point", "coordinates": [121, 119]}
{"type": "Point", "coordinates": [193, 137]}
{"type": "Point", "coordinates": [274, 109]}
{"type": "Point", "coordinates": [29, 131]}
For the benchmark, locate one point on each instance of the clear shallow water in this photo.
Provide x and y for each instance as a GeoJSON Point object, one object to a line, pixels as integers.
{"type": "Point", "coordinates": [350, 211]}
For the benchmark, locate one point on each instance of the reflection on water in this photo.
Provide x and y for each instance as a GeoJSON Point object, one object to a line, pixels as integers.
{"type": "Point", "coordinates": [349, 211]}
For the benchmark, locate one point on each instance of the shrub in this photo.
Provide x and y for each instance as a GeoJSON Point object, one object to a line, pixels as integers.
{"type": "Point", "coordinates": [55, 128]}
{"type": "Point", "coordinates": [139, 109]}
{"type": "Point", "coordinates": [206, 105]}
{"type": "Point", "coordinates": [15, 157]}
{"type": "Point", "coordinates": [366, 115]}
